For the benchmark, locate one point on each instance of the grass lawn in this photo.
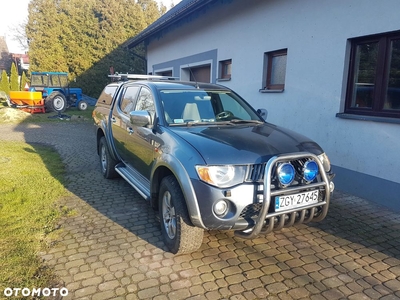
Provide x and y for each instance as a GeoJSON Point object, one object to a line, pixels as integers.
{"type": "Point", "coordinates": [31, 182]}
{"type": "Point", "coordinates": [14, 115]}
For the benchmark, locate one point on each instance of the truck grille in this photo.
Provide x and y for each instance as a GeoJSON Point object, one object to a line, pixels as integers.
{"type": "Point", "coordinates": [255, 173]}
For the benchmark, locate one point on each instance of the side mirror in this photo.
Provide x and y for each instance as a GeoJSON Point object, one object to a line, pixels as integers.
{"type": "Point", "coordinates": [140, 118]}
{"type": "Point", "coordinates": [263, 113]}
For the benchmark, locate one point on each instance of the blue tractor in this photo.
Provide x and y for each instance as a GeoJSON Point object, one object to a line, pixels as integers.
{"type": "Point", "coordinates": [56, 93]}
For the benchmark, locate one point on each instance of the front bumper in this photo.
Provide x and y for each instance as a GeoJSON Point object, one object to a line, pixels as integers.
{"type": "Point", "coordinates": [251, 205]}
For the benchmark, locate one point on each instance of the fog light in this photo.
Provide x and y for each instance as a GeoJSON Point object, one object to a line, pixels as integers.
{"type": "Point", "coordinates": [310, 170]}
{"type": "Point", "coordinates": [286, 173]}
{"type": "Point", "coordinates": [331, 186]}
{"type": "Point", "coordinates": [220, 208]}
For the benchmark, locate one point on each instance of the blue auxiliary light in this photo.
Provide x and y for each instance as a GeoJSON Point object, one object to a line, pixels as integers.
{"type": "Point", "coordinates": [286, 173]}
{"type": "Point", "coordinates": [310, 170]}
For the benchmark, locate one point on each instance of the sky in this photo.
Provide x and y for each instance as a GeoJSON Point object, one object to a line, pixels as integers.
{"type": "Point", "coordinates": [16, 13]}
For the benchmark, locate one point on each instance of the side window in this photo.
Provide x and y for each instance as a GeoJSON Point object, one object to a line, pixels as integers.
{"type": "Point", "coordinates": [275, 70]}
{"type": "Point", "coordinates": [127, 103]}
{"type": "Point", "coordinates": [107, 95]}
{"type": "Point", "coordinates": [63, 81]}
{"type": "Point", "coordinates": [145, 100]}
{"type": "Point", "coordinates": [54, 81]}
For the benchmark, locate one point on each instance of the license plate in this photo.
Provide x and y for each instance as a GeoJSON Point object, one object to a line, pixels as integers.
{"type": "Point", "coordinates": [296, 200]}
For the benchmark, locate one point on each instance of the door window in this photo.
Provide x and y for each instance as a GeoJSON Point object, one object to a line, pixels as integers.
{"type": "Point", "coordinates": [145, 101]}
{"type": "Point", "coordinates": [129, 99]}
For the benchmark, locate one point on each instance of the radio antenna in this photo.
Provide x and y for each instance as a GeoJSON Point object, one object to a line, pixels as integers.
{"type": "Point", "coordinates": [194, 77]}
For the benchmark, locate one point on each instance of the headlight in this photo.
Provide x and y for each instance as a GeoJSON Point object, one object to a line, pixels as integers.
{"type": "Point", "coordinates": [222, 176]}
{"type": "Point", "coordinates": [325, 162]}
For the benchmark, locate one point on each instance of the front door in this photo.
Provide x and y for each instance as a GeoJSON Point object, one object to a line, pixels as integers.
{"type": "Point", "coordinates": [120, 117]}
{"type": "Point", "coordinates": [140, 139]}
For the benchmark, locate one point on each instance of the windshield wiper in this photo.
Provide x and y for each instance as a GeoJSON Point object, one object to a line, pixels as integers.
{"type": "Point", "coordinates": [216, 123]}
{"type": "Point", "coordinates": [238, 121]}
{"type": "Point", "coordinates": [191, 123]}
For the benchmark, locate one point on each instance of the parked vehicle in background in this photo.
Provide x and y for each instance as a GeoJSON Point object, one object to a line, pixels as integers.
{"type": "Point", "coordinates": [205, 159]}
{"type": "Point", "coordinates": [56, 92]}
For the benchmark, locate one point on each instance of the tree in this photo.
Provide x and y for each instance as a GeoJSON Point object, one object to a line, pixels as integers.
{"type": "Point", "coordinates": [24, 81]}
{"type": "Point", "coordinates": [18, 35]}
{"type": "Point", "coordinates": [43, 30]}
{"type": "Point", "coordinates": [14, 84]}
{"type": "Point", "coordinates": [85, 38]}
{"type": "Point", "coordinates": [4, 84]}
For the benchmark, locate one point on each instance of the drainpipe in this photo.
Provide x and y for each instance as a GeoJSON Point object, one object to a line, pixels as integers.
{"type": "Point", "coordinates": [143, 59]}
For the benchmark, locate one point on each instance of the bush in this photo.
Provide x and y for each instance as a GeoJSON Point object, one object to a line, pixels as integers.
{"type": "Point", "coordinates": [4, 83]}
{"type": "Point", "coordinates": [3, 98]}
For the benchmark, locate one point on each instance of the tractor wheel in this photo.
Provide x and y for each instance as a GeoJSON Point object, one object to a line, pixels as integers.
{"type": "Point", "coordinates": [82, 105]}
{"type": "Point", "coordinates": [58, 102]}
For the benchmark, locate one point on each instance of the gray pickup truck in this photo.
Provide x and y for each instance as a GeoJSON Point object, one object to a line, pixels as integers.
{"type": "Point", "coordinates": [205, 159]}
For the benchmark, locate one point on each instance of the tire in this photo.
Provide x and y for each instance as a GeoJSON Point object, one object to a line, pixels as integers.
{"type": "Point", "coordinates": [107, 163]}
{"type": "Point", "coordinates": [48, 105]}
{"type": "Point", "coordinates": [179, 235]}
{"type": "Point", "coordinates": [82, 105]}
{"type": "Point", "coordinates": [56, 102]}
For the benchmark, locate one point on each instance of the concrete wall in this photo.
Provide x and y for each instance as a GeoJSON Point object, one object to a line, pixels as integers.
{"type": "Point", "coordinates": [316, 34]}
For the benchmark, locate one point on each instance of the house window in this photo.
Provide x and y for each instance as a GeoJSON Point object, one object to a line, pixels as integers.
{"type": "Point", "coordinates": [200, 73]}
{"type": "Point", "coordinates": [225, 67]}
{"type": "Point", "coordinates": [374, 76]}
{"type": "Point", "coordinates": [275, 70]}
{"type": "Point", "coordinates": [165, 73]}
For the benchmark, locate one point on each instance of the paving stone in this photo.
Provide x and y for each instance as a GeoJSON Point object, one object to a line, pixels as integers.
{"type": "Point", "coordinates": [111, 248]}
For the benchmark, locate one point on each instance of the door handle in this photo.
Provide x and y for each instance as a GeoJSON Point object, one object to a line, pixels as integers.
{"type": "Point", "coordinates": [113, 120]}
{"type": "Point", "coordinates": [130, 130]}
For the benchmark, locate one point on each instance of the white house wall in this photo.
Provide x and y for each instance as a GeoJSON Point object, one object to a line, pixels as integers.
{"type": "Point", "coordinates": [316, 35]}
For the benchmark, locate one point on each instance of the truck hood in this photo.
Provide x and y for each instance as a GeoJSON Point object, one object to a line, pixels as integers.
{"type": "Point", "coordinates": [244, 144]}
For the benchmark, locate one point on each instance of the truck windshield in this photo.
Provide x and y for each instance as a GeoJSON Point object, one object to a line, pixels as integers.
{"type": "Point", "coordinates": [199, 106]}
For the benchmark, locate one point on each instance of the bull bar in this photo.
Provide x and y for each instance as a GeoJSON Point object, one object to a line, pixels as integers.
{"type": "Point", "coordinates": [267, 194]}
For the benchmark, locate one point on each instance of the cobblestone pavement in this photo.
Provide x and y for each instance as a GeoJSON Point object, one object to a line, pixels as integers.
{"type": "Point", "coordinates": [111, 248]}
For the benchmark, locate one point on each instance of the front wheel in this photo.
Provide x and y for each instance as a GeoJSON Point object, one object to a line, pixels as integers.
{"type": "Point", "coordinates": [82, 105]}
{"type": "Point", "coordinates": [179, 235]}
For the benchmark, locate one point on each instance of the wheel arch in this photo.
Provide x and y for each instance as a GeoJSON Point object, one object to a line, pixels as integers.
{"type": "Point", "coordinates": [175, 168]}
{"type": "Point", "coordinates": [99, 135]}
{"type": "Point", "coordinates": [100, 132]}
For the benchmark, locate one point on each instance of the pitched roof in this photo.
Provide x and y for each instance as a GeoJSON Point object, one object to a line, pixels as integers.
{"type": "Point", "coordinates": [176, 14]}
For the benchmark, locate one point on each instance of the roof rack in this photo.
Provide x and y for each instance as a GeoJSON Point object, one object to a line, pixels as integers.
{"type": "Point", "coordinates": [127, 76]}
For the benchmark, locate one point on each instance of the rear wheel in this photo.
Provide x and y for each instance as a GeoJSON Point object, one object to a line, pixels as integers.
{"type": "Point", "coordinates": [56, 102]}
{"type": "Point", "coordinates": [107, 163]}
{"type": "Point", "coordinates": [179, 235]}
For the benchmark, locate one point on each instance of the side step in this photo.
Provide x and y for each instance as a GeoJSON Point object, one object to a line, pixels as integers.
{"type": "Point", "coordinates": [136, 180]}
